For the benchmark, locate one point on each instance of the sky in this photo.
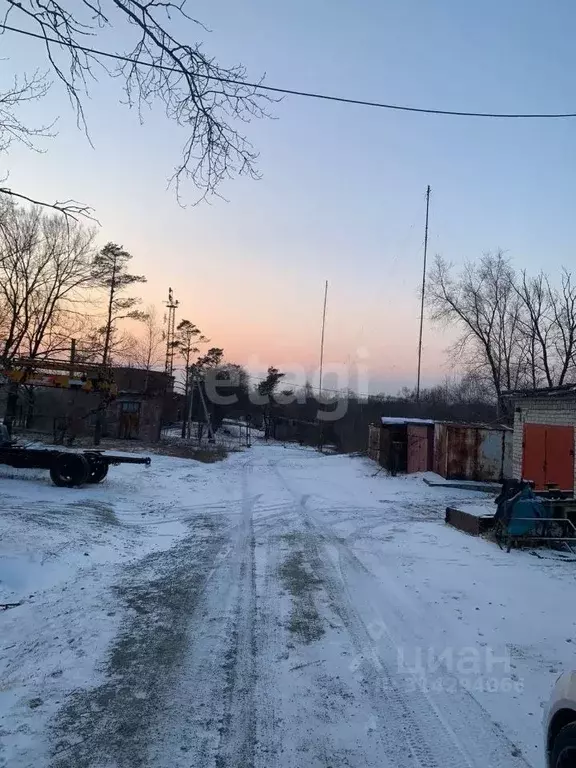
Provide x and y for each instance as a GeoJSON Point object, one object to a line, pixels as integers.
{"type": "Point", "coordinates": [342, 193]}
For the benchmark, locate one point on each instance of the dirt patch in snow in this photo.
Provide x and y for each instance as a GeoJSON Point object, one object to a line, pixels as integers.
{"type": "Point", "coordinates": [101, 511]}
{"type": "Point", "coordinates": [300, 581]}
{"type": "Point", "coordinates": [111, 724]}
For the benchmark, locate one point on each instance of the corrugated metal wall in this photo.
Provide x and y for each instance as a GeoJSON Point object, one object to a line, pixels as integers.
{"type": "Point", "coordinates": [468, 452]}
{"type": "Point", "coordinates": [419, 443]}
{"type": "Point", "coordinates": [374, 439]}
{"type": "Point", "coordinates": [440, 449]}
{"type": "Point", "coordinates": [490, 457]}
{"type": "Point", "coordinates": [454, 451]}
{"type": "Point", "coordinates": [462, 453]}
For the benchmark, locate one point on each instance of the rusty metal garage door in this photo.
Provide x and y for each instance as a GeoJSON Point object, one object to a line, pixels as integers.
{"type": "Point", "coordinates": [548, 455]}
{"type": "Point", "coordinates": [419, 448]}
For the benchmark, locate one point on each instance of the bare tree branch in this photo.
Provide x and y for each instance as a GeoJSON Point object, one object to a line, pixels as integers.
{"type": "Point", "coordinates": [12, 128]}
{"type": "Point", "coordinates": [197, 93]}
{"type": "Point", "coordinates": [70, 208]}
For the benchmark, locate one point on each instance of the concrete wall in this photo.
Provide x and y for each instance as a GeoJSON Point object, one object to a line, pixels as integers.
{"type": "Point", "coordinates": [75, 411]}
{"type": "Point", "coordinates": [554, 410]}
{"type": "Point", "coordinates": [50, 405]}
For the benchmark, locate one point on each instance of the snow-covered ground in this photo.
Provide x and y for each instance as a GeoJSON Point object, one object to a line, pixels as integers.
{"type": "Point", "coordinates": [280, 609]}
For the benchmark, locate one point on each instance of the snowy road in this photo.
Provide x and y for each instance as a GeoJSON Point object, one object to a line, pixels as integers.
{"type": "Point", "coordinates": [284, 609]}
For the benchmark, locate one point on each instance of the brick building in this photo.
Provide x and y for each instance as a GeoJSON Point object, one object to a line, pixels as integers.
{"type": "Point", "coordinates": [140, 407]}
{"type": "Point", "coordinates": [144, 400]}
{"type": "Point", "coordinates": [543, 442]}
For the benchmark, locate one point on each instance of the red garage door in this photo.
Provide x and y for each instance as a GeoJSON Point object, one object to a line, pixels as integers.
{"type": "Point", "coordinates": [548, 455]}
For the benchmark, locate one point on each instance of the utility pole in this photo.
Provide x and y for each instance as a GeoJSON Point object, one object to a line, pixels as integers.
{"type": "Point", "coordinates": [206, 413]}
{"type": "Point", "coordinates": [190, 414]}
{"type": "Point", "coordinates": [320, 424]}
{"type": "Point", "coordinates": [322, 338]}
{"type": "Point", "coordinates": [72, 356]}
{"type": "Point", "coordinates": [423, 294]}
{"type": "Point", "coordinates": [172, 306]}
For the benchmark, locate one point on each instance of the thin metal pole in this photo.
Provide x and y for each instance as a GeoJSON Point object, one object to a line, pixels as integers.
{"type": "Point", "coordinates": [190, 414]}
{"type": "Point", "coordinates": [206, 412]}
{"type": "Point", "coordinates": [320, 424]}
{"type": "Point", "coordinates": [423, 295]}
{"type": "Point", "coordinates": [322, 338]}
{"type": "Point", "coordinates": [72, 356]}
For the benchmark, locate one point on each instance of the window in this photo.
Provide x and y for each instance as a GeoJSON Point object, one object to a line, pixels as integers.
{"type": "Point", "coordinates": [129, 406]}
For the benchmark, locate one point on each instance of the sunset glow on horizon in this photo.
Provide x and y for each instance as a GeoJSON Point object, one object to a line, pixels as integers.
{"type": "Point", "coordinates": [282, 327]}
{"type": "Point", "coordinates": [342, 191]}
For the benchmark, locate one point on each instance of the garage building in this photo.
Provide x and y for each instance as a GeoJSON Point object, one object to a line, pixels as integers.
{"type": "Point", "coordinates": [543, 442]}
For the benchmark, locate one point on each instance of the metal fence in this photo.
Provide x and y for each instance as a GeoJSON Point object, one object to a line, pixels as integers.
{"type": "Point", "coordinates": [231, 435]}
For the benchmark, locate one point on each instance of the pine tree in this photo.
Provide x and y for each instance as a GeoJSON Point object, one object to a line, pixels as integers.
{"type": "Point", "coordinates": [110, 271]}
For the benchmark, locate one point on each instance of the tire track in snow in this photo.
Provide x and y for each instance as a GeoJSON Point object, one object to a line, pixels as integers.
{"type": "Point", "coordinates": [238, 733]}
{"type": "Point", "coordinates": [209, 720]}
{"type": "Point", "coordinates": [454, 705]}
{"type": "Point", "coordinates": [414, 730]}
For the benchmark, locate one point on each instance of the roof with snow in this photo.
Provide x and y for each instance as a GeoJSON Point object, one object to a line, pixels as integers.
{"type": "Point", "coordinates": [565, 390]}
{"type": "Point", "coordinates": [405, 420]}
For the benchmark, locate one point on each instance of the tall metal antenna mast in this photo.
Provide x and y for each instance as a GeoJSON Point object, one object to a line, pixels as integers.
{"type": "Point", "coordinates": [423, 295]}
{"type": "Point", "coordinates": [172, 306]}
{"type": "Point", "coordinates": [322, 338]}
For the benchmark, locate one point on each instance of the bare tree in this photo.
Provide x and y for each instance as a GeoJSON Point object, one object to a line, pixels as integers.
{"type": "Point", "coordinates": [549, 326]}
{"type": "Point", "coordinates": [563, 307]}
{"type": "Point", "coordinates": [45, 263]}
{"type": "Point", "coordinates": [483, 302]}
{"type": "Point", "coordinates": [196, 93]}
{"type": "Point", "coordinates": [537, 327]}
{"type": "Point", "coordinates": [90, 346]}
{"type": "Point", "coordinates": [147, 351]}
{"type": "Point", "coordinates": [515, 331]}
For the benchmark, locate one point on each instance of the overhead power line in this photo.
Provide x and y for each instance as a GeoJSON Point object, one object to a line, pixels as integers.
{"type": "Point", "coordinates": [315, 389]}
{"type": "Point", "coordinates": [293, 91]}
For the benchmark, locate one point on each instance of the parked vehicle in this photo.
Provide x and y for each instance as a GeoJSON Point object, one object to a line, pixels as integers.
{"type": "Point", "coordinates": [560, 724]}
{"type": "Point", "coordinates": [67, 468]}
